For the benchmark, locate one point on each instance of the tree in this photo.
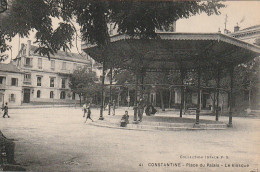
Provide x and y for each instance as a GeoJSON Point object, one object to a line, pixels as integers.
{"type": "Point", "coordinates": [131, 17]}
{"type": "Point", "coordinates": [3, 47]}
{"type": "Point", "coordinates": [83, 83]}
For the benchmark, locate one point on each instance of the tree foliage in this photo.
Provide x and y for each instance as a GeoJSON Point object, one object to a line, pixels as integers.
{"type": "Point", "coordinates": [83, 82]}
{"type": "Point", "coordinates": [131, 17]}
{"type": "Point", "coordinates": [3, 47]}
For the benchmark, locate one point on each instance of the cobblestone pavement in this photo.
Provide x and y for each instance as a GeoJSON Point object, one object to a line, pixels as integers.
{"type": "Point", "coordinates": [57, 139]}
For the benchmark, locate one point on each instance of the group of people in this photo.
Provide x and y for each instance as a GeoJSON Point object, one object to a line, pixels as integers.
{"type": "Point", "coordinates": [113, 105]}
{"type": "Point", "coordinates": [150, 110]}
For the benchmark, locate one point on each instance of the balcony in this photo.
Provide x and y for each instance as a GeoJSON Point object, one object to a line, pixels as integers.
{"type": "Point", "coordinates": [28, 66]}
{"type": "Point", "coordinates": [27, 82]}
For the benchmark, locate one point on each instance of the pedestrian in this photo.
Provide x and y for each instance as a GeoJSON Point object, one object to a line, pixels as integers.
{"type": "Point", "coordinates": [5, 109]}
{"type": "Point", "coordinates": [114, 107]}
{"type": "Point", "coordinates": [140, 108]}
{"type": "Point", "coordinates": [84, 109]}
{"type": "Point", "coordinates": [124, 119]}
{"type": "Point", "coordinates": [150, 110]}
{"type": "Point", "coordinates": [88, 113]}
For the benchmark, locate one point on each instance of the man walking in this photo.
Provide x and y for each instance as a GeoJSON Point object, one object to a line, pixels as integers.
{"type": "Point", "coordinates": [5, 109]}
{"type": "Point", "coordinates": [140, 109]}
{"type": "Point", "coordinates": [84, 108]}
{"type": "Point", "coordinates": [89, 114]}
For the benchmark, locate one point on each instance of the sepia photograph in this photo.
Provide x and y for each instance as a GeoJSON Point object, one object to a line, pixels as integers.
{"type": "Point", "coordinates": [130, 85]}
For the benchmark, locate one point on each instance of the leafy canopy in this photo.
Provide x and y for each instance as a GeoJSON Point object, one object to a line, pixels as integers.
{"type": "Point", "coordinates": [83, 82]}
{"type": "Point", "coordinates": [131, 17]}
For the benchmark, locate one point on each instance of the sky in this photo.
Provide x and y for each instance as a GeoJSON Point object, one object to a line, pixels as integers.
{"type": "Point", "coordinates": [243, 13]}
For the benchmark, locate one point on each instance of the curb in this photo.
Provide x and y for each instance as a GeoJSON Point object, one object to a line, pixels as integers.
{"type": "Point", "coordinates": [33, 107]}
{"type": "Point", "coordinates": [154, 128]}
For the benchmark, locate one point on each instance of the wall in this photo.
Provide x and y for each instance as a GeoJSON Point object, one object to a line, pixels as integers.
{"type": "Point", "coordinates": [7, 89]}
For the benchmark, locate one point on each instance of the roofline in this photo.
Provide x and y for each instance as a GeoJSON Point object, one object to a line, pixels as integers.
{"type": "Point", "coordinates": [240, 32]}
{"type": "Point", "coordinates": [187, 36]}
{"type": "Point", "coordinates": [76, 60]}
{"type": "Point", "coordinates": [71, 59]}
{"type": "Point", "coordinates": [11, 71]}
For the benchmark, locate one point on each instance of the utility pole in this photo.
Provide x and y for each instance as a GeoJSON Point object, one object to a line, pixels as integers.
{"type": "Point", "coordinates": [226, 17]}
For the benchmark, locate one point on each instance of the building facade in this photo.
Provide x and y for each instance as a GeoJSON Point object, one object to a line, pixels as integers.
{"type": "Point", "coordinates": [249, 97]}
{"type": "Point", "coordinates": [44, 80]}
{"type": "Point", "coordinates": [11, 79]}
{"type": "Point", "coordinates": [250, 34]}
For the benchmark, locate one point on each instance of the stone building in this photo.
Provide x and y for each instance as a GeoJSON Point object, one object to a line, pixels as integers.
{"type": "Point", "coordinates": [11, 80]}
{"type": "Point", "coordinates": [46, 81]}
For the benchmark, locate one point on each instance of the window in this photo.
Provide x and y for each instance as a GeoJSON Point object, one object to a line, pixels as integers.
{"type": "Point", "coordinates": [63, 82]}
{"type": "Point", "coordinates": [27, 79]}
{"type": "Point", "coordinates": [14, 82]}
{"type": "Point", "coordinates": [1, 80]}
{"type": "Point", "coordinates": [11, 97]}
{"type": "Point", "coordinates": [63, 66]}
{"type": "Point", "coordinates": [62, 95]}
{"type": "Point", "coordinates": [73, 96]}
{"type": "Point", "coordinates": [39, 63]}
{"type": "Point", "coordinates": [39, 81]}
{"type": "Point", "coordinates": [28, 62]}
{"type": "Point", "coordinates": [38, 94]}
{"type": "Point", "coordinates": [51, 95]}
{"type": "Point", "coordinates": [52, 64]}
{"type": "Point", "coordinates": [52, 82]}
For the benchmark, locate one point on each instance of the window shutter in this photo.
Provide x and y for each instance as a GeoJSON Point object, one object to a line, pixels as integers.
{"type": "Point", "coordinates": [9, 97]}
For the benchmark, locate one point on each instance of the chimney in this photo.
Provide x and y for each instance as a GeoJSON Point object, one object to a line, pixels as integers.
{"type": "Point", "coordinates": [236, 28]}
{"type": "Point", "coordinates": [28, 48]}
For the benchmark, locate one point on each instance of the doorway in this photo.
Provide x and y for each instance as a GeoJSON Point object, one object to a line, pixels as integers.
{"type": "Point", "coordinates": [26, 95]}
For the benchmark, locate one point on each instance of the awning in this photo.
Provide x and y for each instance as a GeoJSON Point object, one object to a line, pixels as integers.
{"type": "Point", "coordinates": [173, 51]}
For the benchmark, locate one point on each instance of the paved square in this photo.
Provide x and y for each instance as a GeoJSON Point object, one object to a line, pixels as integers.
{"type": "Point", "coordinates": [57, 139]}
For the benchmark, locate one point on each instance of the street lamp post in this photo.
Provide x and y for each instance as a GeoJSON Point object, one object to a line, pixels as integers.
{"type": "Point", "coordinates": [128, 97]}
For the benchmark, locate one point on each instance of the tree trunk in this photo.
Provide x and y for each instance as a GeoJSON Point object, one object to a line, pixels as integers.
{"type": "Point", "coordinates": [170, 99]}
{"type": "Point", "coordinates": [214, 101]}
{"type": "Point", "coordinates": [161, 96]}
{"type": "Point", "coordinates": [80, 100]}
{"type": "Point", "coordinates": [118, 98]}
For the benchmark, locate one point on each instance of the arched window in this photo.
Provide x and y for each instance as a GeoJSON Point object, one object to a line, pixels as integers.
{"type": "Point", "coordinates": [51, 95]}
{"type": "Point", "coordinates": [62, 95]}
{"type": "Point", "coordinates": [38, 94]}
